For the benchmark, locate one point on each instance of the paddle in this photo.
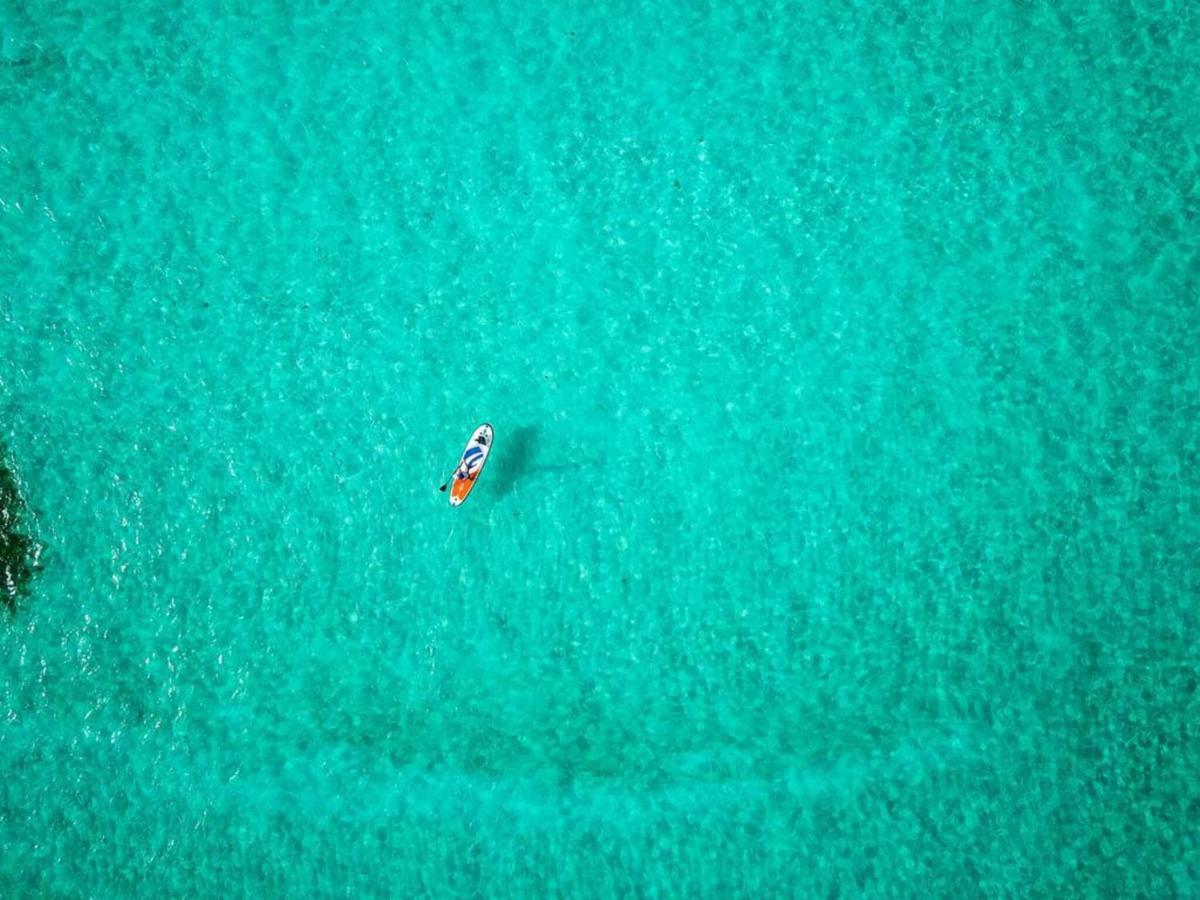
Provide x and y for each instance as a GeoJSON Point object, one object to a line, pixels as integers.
{"type": "Point", "coordinates": [448, 480]}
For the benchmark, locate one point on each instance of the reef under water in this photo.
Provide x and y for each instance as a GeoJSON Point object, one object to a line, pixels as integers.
{"type": "Point", "coordinates": [18, 551]}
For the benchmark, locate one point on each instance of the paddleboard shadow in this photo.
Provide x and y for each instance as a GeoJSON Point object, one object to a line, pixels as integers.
{"type": "Point", "coordinates": [518, 461]}
{"type": "Point", "coordinates": [514, 461]}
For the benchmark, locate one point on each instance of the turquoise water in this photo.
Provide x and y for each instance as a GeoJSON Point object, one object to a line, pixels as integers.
{"type": "Point", "coordinates": [842, 535]}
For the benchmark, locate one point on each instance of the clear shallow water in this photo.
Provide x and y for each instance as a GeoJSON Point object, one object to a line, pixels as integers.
{"type": "Point", "coordinates": [842, 531]}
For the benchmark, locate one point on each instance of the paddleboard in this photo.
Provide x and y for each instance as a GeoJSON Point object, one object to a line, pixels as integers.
{"type": "Point", "coordinates": [470, 464]}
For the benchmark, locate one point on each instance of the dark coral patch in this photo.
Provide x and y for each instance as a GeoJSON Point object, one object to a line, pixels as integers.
{"type": "Point", "coordinates": [18, 552]}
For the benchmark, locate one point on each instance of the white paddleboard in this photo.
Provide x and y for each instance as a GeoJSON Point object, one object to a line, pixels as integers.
{"type": "Point", "coordinates": [470, 464]}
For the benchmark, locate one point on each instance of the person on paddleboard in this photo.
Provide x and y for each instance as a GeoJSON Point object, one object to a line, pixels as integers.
{"type": "Point", "coordinates": [471, 460]}
{"type": "Point", "coordinates": [470, 464]}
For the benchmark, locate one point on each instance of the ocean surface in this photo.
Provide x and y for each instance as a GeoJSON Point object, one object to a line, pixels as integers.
{"type": "Point", "coordinates": [842, 532]}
